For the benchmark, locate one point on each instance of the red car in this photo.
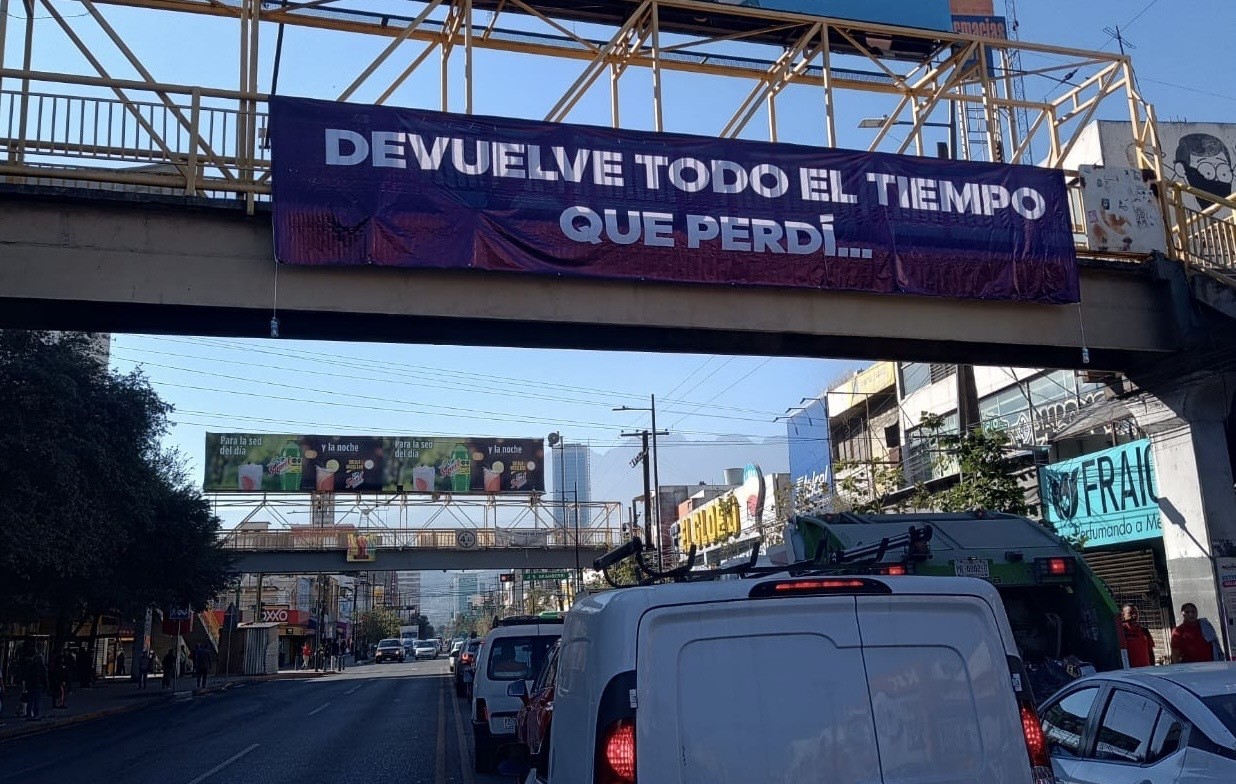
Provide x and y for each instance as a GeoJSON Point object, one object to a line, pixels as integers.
{"type": "Point", "coordinates": [533, 720]}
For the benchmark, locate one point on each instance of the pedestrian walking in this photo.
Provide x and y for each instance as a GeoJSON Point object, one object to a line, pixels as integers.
{"type": "Point", "coordinates": [201, 664]}
{"type": "Point", "coordinates": [1195, 640]}
{"type": "Point", "coordinates": [344, 650]}
{"type": "Point", "coordinates": [169, 669]}
{"type": "Point", "coordinates": [36, 685]}
{"type": "Point", "coordinates": [120, 664]}
{"type": "Point", "coordinates": [305, 653]}
{"type": "Point", "coordinates": [145, 663]}
{"type": "Point", "coordinates": [334, 655]}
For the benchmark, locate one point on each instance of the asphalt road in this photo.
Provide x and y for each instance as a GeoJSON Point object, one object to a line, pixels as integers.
{"type": "Point", "coordinates": [374, 724]}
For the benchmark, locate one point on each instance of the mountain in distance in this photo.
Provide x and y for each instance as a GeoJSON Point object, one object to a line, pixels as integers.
{"type": "Point", "coordinates": [682, 462]}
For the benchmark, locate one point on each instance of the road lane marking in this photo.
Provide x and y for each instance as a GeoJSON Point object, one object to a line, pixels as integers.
{"type": "Point", "coordinates": [465, 764]}
{"type": "Point", "coordinates": [223, 764]}
{"type": "Point", "coordinates": [440, 767]}
{"type": "Point", "coordinates": [354, 688]}
{"type": "Point", "coordinates": [319, 709]}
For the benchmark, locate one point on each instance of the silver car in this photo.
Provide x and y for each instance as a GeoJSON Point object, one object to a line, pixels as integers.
{"type": "Point", "coordinates": [1150, 725]}
{"type": "Point", "coordinates": [424, 649]}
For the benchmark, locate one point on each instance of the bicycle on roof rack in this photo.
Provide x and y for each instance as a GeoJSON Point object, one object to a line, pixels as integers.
{"type": "Point", "coordinates": [861, 559]}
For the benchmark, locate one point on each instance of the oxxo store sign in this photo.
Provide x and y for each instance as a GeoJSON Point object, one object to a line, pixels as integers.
{"type": "Point", "coordinates": [1107, 497]}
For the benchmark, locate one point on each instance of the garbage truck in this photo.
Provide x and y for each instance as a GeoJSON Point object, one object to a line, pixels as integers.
{"type": "Point", "coordinates": [1064, 619]}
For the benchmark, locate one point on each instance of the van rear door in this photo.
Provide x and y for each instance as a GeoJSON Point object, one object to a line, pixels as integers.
{"type": "Point", "coordinates": [941, 691]}
{"type": "Point", "coordinates": [735, 692]}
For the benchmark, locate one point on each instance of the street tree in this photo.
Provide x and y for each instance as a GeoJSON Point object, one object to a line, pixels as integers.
{"type": "Point", "coordinates": [379, 623]}
{"type": "Point", "coordinates": [987, 471]}
{"type": "Point", "coordinates": [94, 515]}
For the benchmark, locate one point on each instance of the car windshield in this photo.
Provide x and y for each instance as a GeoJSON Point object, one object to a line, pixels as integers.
{"type": "Point", "coordinates": [389, 644]}
{"type": "Point", "coordinates": [1223, 706]}
{"type": "Point", "coordinates": [518, 658]}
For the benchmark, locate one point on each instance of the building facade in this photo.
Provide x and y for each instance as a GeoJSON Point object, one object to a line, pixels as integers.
{"type": "Point", "coordinates": [572, 482]}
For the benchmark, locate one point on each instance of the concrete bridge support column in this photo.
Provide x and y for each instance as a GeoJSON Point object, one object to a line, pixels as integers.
{"type": "Point", "coordinates": [1186, 421]}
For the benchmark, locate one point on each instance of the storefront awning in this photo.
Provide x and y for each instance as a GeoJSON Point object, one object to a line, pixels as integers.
{"type": "Point", "coordinates": [1094, 416]}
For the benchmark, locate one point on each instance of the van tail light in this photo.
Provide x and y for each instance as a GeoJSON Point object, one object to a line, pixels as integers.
{"type": "Point", "coordinates": [482, 711]}
{"type": "Point", "coordinates": [618, 762]}
{"type": "Point", "coordinates": [614, 756]}
{"type": "Point", "coordinates": [1031, 727]}
{"type": "Point", "coordinates": [1036, 745]}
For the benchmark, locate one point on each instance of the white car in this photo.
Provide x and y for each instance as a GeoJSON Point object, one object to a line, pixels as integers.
{"type": "Point", "coordinates": [515, 650]}
{"type": "Point", "coordinates": [1149, 725]}
{"type": "Point", "coordinates": [794, 678]}
{"type": "Point", "coordinates": [424, 649]}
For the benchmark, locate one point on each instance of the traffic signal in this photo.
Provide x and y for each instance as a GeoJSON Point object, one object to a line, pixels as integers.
{"type": "Point", "coordinates": [507, 577]}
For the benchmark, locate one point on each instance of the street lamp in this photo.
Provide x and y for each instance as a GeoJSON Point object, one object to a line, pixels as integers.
{"type": "Point", "coordinates": [880, 122]}
{"type": "Point", "coordinates": [656, 477]}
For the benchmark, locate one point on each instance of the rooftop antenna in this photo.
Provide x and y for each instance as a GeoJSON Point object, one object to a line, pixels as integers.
{"type": "Point", "coordinates": [1121, 41]}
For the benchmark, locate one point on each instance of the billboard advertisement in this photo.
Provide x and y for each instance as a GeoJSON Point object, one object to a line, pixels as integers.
{"type": "Point", "coordinates": [383, 186]}
{"type": "Point", "coordinates": [286, 463]}
{"type": "Point", "coordinates": [1108, 497]}
{"type": "Point", "coordinates": [809, 443]}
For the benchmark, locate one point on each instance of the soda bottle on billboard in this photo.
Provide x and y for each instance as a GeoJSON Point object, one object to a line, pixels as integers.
{"type": "Point", "coordinates": [289, 479]}
{"type": "Point", "coordinates": [461, 479]}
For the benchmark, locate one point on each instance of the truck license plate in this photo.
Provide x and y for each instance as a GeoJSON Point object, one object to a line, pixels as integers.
{"type": "Point", "coordinates": [972, 569]}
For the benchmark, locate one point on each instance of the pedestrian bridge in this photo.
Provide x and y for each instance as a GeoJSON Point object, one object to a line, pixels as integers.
{"type": "Point", "coordinates": [407, 531]}
{"type": "Point", "coordinates": [335, 550]}
{"type": "Point", "coordinates": [110, 226]}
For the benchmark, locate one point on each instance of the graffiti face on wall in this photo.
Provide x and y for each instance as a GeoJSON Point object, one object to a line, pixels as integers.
{"type": "Point", "coordinates": [1199, 155]}
{"type": "Point", "coordinates": [1204, 162]}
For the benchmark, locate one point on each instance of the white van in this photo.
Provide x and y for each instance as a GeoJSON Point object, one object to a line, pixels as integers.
{"type": "Point", "coordinates": [780, 678]}
{"type": "Point", "coordinates": [515, 650]}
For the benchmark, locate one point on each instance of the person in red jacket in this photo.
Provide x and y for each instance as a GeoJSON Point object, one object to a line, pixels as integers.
{"type": "Point", "coordinates": [1138, 642]}
{"type": "Point", "coordinates": [1190, 640]}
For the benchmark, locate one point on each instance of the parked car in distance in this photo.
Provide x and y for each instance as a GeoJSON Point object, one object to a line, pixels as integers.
{"type": "Point", "coordinates": [389, 650]}
{"type": "Point", "coordinates": [424, 649]}
{"type": "Point", "coordinates": [874, 679]}
{"type": "Point", "coordinates": [464, 667]}
{"type": "Point", "coordinates": [535, 717]}
{"type": "Point", "coordinates": [514, 650]}
{"type": "Point", "coordinates": [1148, 725]}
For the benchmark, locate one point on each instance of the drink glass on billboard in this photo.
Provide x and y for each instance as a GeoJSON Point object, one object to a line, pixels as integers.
{"type": "Point", "coordinates": [325, 479]}
{"type": "Point", "coordinates": [461, 479]}
{"type": "Point", "coordinates": [249, 477]}
{"type": "Point", "coordinates": [289, 479]}
{"type": "Point", "coordinates": [423, 478]}
{"type": "Point", "coordinates": [493, 479]}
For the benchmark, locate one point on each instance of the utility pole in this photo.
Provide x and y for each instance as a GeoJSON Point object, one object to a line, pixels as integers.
{"type": "Point", "coordinates": [643, 457]}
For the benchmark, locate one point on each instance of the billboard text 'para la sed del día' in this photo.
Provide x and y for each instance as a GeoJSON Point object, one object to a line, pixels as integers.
{"type": "Point", "coordinates": [377, 185]}
{"type": "Point", "coordinates": [283, 463]}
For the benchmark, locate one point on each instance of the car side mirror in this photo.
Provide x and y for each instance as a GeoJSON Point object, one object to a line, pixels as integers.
{"type": "Point", "coordinates": [517, 689]}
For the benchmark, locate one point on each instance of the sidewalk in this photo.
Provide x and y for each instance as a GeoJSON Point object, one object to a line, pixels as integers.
{"type": "Point", "coordinates": [111, 696]}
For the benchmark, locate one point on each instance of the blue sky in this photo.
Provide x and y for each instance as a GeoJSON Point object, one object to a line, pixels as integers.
{"type": "Point", "coordinates": [282, 386]}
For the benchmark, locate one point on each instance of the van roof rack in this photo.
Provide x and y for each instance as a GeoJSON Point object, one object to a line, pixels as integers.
{"type": "Point", "coordinates": [855, 560]}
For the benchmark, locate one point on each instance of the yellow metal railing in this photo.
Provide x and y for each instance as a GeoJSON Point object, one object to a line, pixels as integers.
{"type": "Point", "coordinates": [1202, 228]}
